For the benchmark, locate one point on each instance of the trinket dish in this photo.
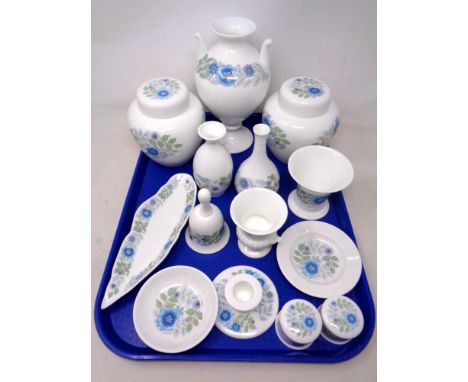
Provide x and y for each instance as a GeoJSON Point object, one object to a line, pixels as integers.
{"type": "Point", "coordinates": [327, 171]}
{"type": "Point", "coordinates": [175, 309]}
{"type": "Point", "coordinates": [241, 321]}
{"type": "Point", "coordinates": [156, 226]}
{"type": "Point", "coordinates": [207, 231]}
{"type": "Point", "coordinates": [298, 324]}
{"type": "Point", "coordinates": [342, 319]}
{"type": "Point", "coordinates": [319, 259]}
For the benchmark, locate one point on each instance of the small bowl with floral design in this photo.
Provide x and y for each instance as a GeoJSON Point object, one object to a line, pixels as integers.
{"type": "Point", "coordinates": [298, 324]}
{"type": "Point", "coordinates": [342, 320]}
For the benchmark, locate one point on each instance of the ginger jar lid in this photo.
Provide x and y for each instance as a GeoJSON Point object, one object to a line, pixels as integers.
{"type": "Point", "coordinates": [304, 97]}
{"type": "Point", "coordinates": [342, 317]}
{"type": "Point", "coordinates": [163, 97]}
{"type": "Point", "coordinates": [300, 321]}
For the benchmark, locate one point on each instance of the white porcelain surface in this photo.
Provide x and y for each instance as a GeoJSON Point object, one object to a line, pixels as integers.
{"type": "Point", "coordinates": [318, 172]}
{"type": "Point", "coordinates": [342, 319]}
{"type": "Point", "coordinates": [212, 163]}
{"type": "Point", "coordinates": [258, 213]}
{"type": "Point", "coordinates": [250, 324]}
{"type": "Point", "coordinates": [301, 113]}
{"type": "Point", "coordinates": [164, 119]}
{"type": "Point", "coordinates": [232, 77]}
{"type": "Point", "coordinates": [155, 228]}
{"type": "Point", "coordinates": [319, 259]}
{"type": "Point", "coordinates": [243, 292]}
{"type": "Point", "coordinates": [207, 232]}
{"type": "Point", "coordinates": [175, 309]}
{"type": "Point", "coordinates": [298, 324]}
{"type": "Point", "coordinates": [258, 170]}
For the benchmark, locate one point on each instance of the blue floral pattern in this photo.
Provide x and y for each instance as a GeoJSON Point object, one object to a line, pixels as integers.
{"type": "Point", "coordinates": [242, 182]}
{"type": "Point", "coordinates": [216, 186]}
{"type": "Point", "coordinates": [325, 138]}
{"type": "Point", "coordinates": [206, 240]}
{"type": "Point", "coordinates": [343, 314]}
{"type": "Point", "coordinates": [245, 322]}
{"type": "Point", "coordinates": [143, 216]}
{"type": "Point", "coordinates": [219, 73]}
{"type": "Point", "coordinates": [310, 198]}
{"type": "Point", "coordinates": [306, 87]}
{"type": "Point", "coordinates": [178, 309]}
{"type": "Point", "coordinates": [161, 88]}
{"type": "Point", "coordinates": [155, 145]}
{"type": "Point", "coordinates": [277, 138]}
{"type": "Point", "coordinates": [301, 319]}
{"type": "Point", "coordinates": [314, 259]}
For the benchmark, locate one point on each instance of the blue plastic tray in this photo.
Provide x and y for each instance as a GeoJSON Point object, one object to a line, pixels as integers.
{"type": "Point", "coordinates": [115, 324]}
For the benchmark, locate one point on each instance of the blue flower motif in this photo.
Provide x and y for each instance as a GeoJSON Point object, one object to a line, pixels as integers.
{"type": "Point", "coordinates": [335, 125]}
{"type": "Point", "coordinates": [152, 151]}
{"type": "Point", "coordinates": [131, 239]}
{"type": "Point", "coordinates": [269, 295]}
{"type": "Point", "coordinates": [320, 199]}
{"type": "Point", "coordinates": [146, 212]}
{"type": "Point", "coordinates": [227, 75]}
{"type": "Point", "coordinates": [261, 281]}
{"type": "Point", "coordinates": [249, 70]}
{"type": "Point", "coordinates": [351, 318]}
{"type": "Point", "coordinates": [328, 251]}
{"type": "Point", "coordinates": [225, 315]}
{"type": "Point", "coordinates": [314, 91]}
{"type": "Point", "coordinates": [187, 208]}
{"type": "Point", "coordinates": [167, 318]}
{"type": "Point", "coordinates": [196, 304]}
{"type": "Point", "coordinates": [266, 121]}
{"type": "Point", "coordinates": [163, 93]}
{"type": "Point", "coordinates": [213, 68]}
{"type": "Point", "coordinates": [249, 272]}
{"type": "Point", "coordinates": [167, 245]}
{"type": "Point", "coordinates": [244, 183]}
{"type": "Point", "coordinates": [309, 322]}
{"type": "Point", "coordinates": [235, 327]}
{"type": "Point", "coordinates": [311, 267]}
{"type": "Point", "coordinates": [154, 135]}
{"type": "Point", "coordinates": [128, 252]}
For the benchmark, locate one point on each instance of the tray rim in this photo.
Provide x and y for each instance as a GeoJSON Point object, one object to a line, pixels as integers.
{"type": "Point", "coordinates": [344, 218]}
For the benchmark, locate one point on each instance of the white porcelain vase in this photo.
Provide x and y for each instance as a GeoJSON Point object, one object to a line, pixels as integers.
{"type": "Point", "coordinates": [164, 119]}
{"type": "Point", "coordinates": [212, 163]}
{"type": "Point", "coordinates": [232, 77]}
{"type": "Point", "coordinates": [258, 170]}
{"type": "Point", "coordinates": [301, 113]}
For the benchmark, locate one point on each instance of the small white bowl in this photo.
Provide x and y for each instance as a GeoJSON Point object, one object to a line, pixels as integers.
{"type": "Point", "coordinates": [342, 320]}
{"type": "Point", "coordinates": [318, 172]}
{"type": "Point", "coordinates": [298, 324]}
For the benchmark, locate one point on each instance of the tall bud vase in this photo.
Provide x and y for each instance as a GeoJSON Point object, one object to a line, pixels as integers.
{"type": "Point", "coordinates": [212, 163]}
{"type": "Point", "coordinates": [258, 170]}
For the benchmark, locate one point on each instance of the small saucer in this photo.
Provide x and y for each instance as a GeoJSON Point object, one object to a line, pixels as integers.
{"type": "Point", "coordinates": [319, 259]}
{"type": "Point", "coordinates": [175, 309]}
{"type": "Point", "coordinates": [305, 213]}
{"type": "Point", "coordinates": [208, 249]}
{"type": "Point", "coordinates": [250, 324]}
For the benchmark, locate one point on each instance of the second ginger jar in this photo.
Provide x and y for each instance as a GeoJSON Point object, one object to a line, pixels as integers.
{"type": "Point", "coordinates": [232, 77]}
{"type": "Point", "coordinates": [301, 113]}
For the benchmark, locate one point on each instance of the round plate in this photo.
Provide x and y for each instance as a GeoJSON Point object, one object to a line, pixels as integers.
{"type": "Point", "coordinates": [247, 324]}
{"type": "Point", "coordinates": [319, 259]}
{"type": "Point", "coordinates": [175, 309]}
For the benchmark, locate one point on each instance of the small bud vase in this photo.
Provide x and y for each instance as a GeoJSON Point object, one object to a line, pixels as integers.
{"type": "Point", "coordinates": [212, 163]}
{"type": "Point", "coordinates": [258, 170]}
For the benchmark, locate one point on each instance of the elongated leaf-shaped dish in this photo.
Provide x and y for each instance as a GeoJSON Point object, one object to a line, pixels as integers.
{"type": "Point", "coordinates": [155, 228]}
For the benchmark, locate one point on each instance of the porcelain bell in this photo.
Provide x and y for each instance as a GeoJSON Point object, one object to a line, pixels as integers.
{"type": "Point", "coordinates": [207, 231]}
